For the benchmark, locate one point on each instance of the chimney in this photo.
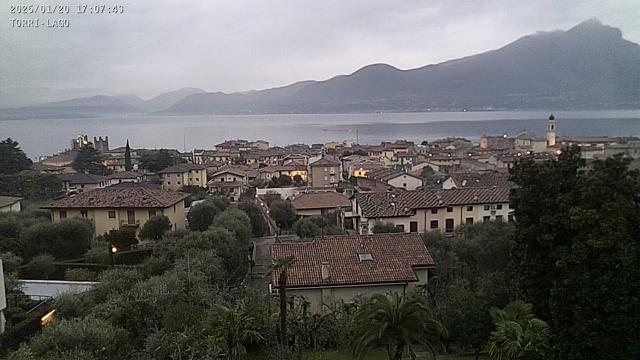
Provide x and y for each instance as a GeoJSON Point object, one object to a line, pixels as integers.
{"type": "Point", "coordinates": [326, 270]}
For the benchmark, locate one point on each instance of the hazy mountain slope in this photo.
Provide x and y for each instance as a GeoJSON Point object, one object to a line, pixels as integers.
{"type": "Point", "coordinates": [169, 99]}
{"type": "Point", "coordinates": [587, 67]}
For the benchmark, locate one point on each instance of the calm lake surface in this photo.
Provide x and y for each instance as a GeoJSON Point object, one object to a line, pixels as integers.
{"type": "Point", "coordinates": [46, 136]}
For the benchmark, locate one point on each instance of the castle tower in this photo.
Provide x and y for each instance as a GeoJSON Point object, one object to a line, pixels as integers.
{"type": "Point", "coordinates": [100, 144]}
{"type": "Point", "coordinates": [551, 131]}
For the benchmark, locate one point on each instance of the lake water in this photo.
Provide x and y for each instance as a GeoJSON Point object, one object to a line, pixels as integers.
{"type": "Point", "coordinates": [46, 136]}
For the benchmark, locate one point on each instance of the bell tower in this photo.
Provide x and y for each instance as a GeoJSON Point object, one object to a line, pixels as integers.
{"type": "Point", "coordinates": [551, 131]}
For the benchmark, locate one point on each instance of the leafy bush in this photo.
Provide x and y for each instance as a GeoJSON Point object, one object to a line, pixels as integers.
{"type": "Point", "coordinates": [97, 337]}
{"type": "Point", "coordinates": [155, 227]}
{"type": "Point", "coordinates": [79, 274]}
{"type": "Point", "coordinates": [40, 267]}
{"type": "Point", "coordinates": [67, 239]}
{"type": "Point", "coordinates": [384, 228]}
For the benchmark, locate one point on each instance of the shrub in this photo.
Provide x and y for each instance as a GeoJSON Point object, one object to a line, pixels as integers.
{"type": "Point", "coordinates": [155, 227]}
{"type": "Point", "coordinates": [383, 228]}
{"type": "Point", "coordinates": [79, 274]}
{"type": "Point", "coordinates": [40, 267]}
{"type": "Point", "coordinates": [97, 337]}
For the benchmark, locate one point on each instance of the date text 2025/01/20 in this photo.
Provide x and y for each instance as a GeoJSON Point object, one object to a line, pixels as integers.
{"type": "Point", "coordinates": [36, 23]}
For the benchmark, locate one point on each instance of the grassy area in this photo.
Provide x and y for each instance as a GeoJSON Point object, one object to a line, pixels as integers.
{"type": "Point", "coordinates": [374, 355]}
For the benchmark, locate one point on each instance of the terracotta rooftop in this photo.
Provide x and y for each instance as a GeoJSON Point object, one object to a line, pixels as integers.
{"type": "Point", "coordinates": [385, 174]}
{"type": "Point", "coordinates": [475, 180]}
{"type": "Point", "coordinates": [181, 168]}
{"type": "Point", "coordinates": [120, 197]}
{"type": "Point", "coordinates": [393, 258]}
{"type": "Point", "coordinates": [81, 178]}
{"type": "Point", "coordinates": [325, 161]}
{"type": "Point", "coordinates": [8, 200]}
{"type": "Point", "coordinates": [320, 200]}
{"type": "Point", "coordinates": [403, 203]}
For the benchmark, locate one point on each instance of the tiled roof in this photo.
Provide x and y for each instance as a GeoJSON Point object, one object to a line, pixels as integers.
{"type": "Point", "coordinates": [384, 174]}
{"type": "Point", "coordinates": [325, 161]}
{"type": "Point", "coordinates": [125, 175]}
{"type": "Point", "coordinates": [235, 170]}
{"type": "Point", "coordinates": [403, 203]}
{"type": "Point", "coordinates": [181, 168]}
{"type": "Point", "coordinates": [320, 200]}
{"type": "Point", "coordinates": [81, 178]}
{"type": "Point", "coordinates": [120, 197]}
{"type": "Point", "coordinates": [394, 256]}
{"type": "Point", "coordinates": [8, 200]}
{"type": "Point", "coordinates": [475, 180]}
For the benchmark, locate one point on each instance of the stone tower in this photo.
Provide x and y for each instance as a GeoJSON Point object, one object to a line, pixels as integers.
{"type": "Point", "coordinates": [100, 144]}
{"type": "Point", "coordinates": [551, 131]}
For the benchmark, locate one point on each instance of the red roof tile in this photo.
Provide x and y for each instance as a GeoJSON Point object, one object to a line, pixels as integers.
{"type": "Point", "coordinates": [403, 203]}
{"type": "Point", "coordinates": [320, 200]}
{"type": "Point", "coordinates": [394, 256]}
{"type": "Point", "coordinates": [120, 197]}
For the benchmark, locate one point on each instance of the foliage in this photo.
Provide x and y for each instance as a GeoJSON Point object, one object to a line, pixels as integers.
{"type": "Point", "coordinates": [122, 239]}
{"type": "Point", "coordinates": [128, 166]}
{"type": "Point", "coordinates": [577, 243]}
{"type": "Point", "coordinates": [31, 186]}
{"type": "Point", "coordinates": [40, 267]}
{"type": "Point", "coordinates": [313, 226]}
{"type": "Point", "coordinates": [385, 227]}
{"type": "Point", "coordinates": [89, 160]}
{"type": "Point", "coordinates": [69, 305]}
{"type": "Point", "coordinates": [97, 337]}
{"type": "Point", "coordinates": [398, 324]}
{"type": "Point", "coordinates": [159, 160]}
{"type": "Point", "coordinates": [79, 274]}
{"type": "Point", "coordinates": [68, 239]}
{"type": "Point", "coordinates": [155, 227]}
{"type": "Point", "coordinates": [280, 181]}
{"type": "Point", "coordinates": [235, 329]}
{"type": "Point", "coordinates": [236, 221]}
{"type": "Point", "coordinates": [12, 158]}
{"type": "Point", "coordinates": [283, 213]}
{"type": "Point", "coordinates": [10, 262]}
{"type": "Point", "coordinates": [255, 217]}
{"type": "Point", "coordinates": [201, 216]}
{"type": "Point", "coordinates": [518, 335]}
{"type": "Point", "coordinates": [280, 269]}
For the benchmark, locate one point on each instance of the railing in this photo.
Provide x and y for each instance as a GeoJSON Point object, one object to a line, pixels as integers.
{"type": "Point", "coordinates": [128, 223]}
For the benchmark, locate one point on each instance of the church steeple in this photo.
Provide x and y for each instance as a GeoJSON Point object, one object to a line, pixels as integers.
{"type": "Point", "coordinates": [551, 131]}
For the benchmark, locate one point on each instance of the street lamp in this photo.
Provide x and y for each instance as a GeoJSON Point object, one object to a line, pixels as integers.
{"type": "Point", "coordinates": [112, 252]}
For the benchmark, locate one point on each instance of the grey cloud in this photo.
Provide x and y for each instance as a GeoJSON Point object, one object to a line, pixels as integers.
{"type": "Point", "coordinates": [238, 45]}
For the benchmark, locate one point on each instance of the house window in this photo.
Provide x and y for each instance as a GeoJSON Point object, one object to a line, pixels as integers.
{"type": "Point", "coordinates": [487, 207]}
{"type": "Point", "coordinates": [152, 213]}
{"type": "Point", "coordinates": [434, 224]}
{"type": "Point", "coordinates": [112, 214]}
{"type": "Point", "coordinates": [510, 218]}
{"type": "Point", "coordinates": [449, 209]}
{"type": "Point", "coordinates": [400, 227]}
{"type": "Point", "coordinates": [83, 213]}
{"type": "Point", "coordinates": [413, 226]}
{"type": "Point", "coordinates": [404, 185]}
{"type": "Point", "coordinates": [168, 182]}
{"type": "Point", "coordinates": [469, 220]}
{"type": "Point", "coordinates": [177, 175]}
{"type": "Point", "coordinates": [190, 179]}
{"type": "Point", "coordinates": [486, 218]}
{"type": "Point", "coordinates": [197, 179]}
{"type": "Point", "coordinates": [448, 225]}
{"type": "Point", "coordinates": [178, 182]}
{"type": "Point", "coordinates": [499, 218]}
{"type": "Point", "coordinates": [434, 211]}
{"type": "Point", "coordinates": [63, 214]}
{"type": "Point", "coordinates": [469, 208]}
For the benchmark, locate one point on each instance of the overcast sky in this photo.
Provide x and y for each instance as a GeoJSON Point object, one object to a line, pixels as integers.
{"type": "Point", "coordinates": [236, 45]}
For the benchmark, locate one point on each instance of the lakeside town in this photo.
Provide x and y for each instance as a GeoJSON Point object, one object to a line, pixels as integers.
{"type": "Point", "coordinates": [318, 226]}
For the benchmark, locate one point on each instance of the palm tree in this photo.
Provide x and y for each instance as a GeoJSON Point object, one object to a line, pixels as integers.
{"type": "Point", "coordinates": [397, 323]}
{"type": "Point", "coordinates": [518, 335]}
{"type": "Point", "coordinates": [235, 329]}
{"type": "Point", "coordinates": [280, 268]}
